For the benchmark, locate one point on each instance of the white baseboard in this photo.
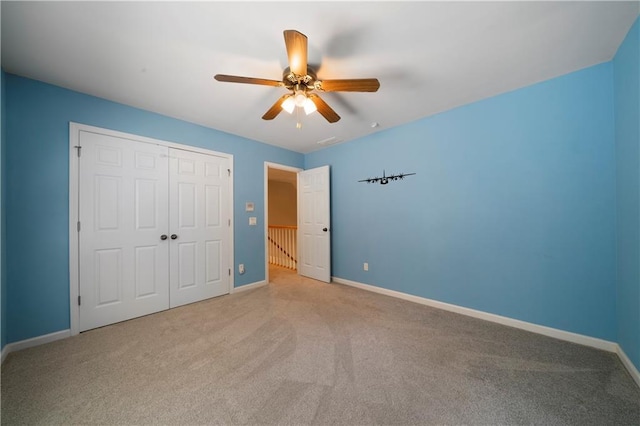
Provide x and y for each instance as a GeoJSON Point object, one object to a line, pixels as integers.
{"type": "Point", "coordinates": [5, 352]}
{"type": "Point", "coordinates": [34, 341]}
{"type": "Point", "coordinates": [635, 374]}
{"type": "Point", "coordinates": [249, 286]}
{"type": "Point", "coordinates": [523, 325]}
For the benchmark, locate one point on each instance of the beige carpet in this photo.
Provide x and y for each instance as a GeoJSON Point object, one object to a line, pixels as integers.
{"type": "Point", "coordinates": [303, 352]}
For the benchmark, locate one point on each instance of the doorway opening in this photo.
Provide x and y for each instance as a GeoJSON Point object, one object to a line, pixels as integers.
{"type": "Point", "coordinates": [281, 217]}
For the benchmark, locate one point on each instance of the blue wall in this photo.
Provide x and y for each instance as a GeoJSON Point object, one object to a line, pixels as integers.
{"type": "Point", "coordinates": [3, 252]}
{"type": "Point", "coordinates": [37, 126]}
{"type": "Point", "coordinates": [627, 129]}
{"type": "Point", "coordinates": [511, 210]}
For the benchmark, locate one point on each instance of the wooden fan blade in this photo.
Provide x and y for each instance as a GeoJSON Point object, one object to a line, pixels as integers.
{"type": "Point", "coordinates": [350, 85]}
{"type": "Point", "coordinates": [275, 109]}
{"type": "Point", "coordinates": [247, 80]}
{"type": "Point", "coordinates": [325, 110]}
{"type": "Point", "coordinates": [296, 43]}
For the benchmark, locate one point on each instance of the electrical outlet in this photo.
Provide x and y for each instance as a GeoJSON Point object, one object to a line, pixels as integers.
{"type": "Point", "coordinates": [366, 266]}
{"type": "Point", "coordinates": [241, 268]}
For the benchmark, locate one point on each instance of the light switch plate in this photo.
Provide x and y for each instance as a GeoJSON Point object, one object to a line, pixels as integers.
{"type": "Point", "coordinates": [249, 206]}
{"type": "Point", "coordinates": [253, 221]}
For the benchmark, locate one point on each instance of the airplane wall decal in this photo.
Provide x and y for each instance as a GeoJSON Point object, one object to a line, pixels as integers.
{"type": "Point", "coordinates": [386, 179]}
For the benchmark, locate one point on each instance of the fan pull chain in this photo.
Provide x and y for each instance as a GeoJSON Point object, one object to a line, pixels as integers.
{"type": "Point", "coordinates": [298, 124]}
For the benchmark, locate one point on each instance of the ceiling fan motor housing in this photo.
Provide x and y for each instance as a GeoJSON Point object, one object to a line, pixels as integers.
{"type": "Point", "coordinates": [292, 81]}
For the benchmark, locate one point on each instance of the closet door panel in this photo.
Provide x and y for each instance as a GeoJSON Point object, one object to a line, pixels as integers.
{"type": "Point", "coordinates": [199, 226]}
{"type": "Point", "coordinates": [123, 211]}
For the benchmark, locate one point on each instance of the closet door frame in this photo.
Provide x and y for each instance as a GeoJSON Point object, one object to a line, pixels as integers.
{"type": "Point", "coordinates": [74, 139]}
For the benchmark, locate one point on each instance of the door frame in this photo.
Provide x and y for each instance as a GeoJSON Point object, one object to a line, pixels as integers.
{"type": "Point", "coordinates": [268, 165]}
{"type": "Point", "coordinates": [74, 198]}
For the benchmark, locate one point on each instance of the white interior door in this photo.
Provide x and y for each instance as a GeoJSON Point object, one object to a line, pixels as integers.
{"type": "Point", "coordinates": [314, 224]}
{"type": "Point", "coordinates": [200, 223]}
{"type": "Point", "coordinates": [123, 197]}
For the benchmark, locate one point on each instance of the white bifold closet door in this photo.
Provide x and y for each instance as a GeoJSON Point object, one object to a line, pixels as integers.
{"type": "Point", "coordinates": [199, 222]}
{"type": "Point", "coordinates": [152, 228]}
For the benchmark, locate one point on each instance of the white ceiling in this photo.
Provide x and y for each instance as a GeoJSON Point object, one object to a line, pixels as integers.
{"type": "Point", "coordinates": [428, 56]}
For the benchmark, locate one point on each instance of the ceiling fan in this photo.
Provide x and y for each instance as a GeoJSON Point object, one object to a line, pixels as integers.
{"type": "Point", "coordinates": [302, 81]}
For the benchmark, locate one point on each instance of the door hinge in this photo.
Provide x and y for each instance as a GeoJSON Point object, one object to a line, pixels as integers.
{"type": "Point", "coordinates": [78, 148]}
{"type": "Point", "coordinates": [78, 226]}
{"type": "Point", "coordinates": [229, 271]}
{"type": "Point", "coordinates": [79, 300]}
{"type": "Point", "coordinates": [229, 172]}
{"type": "Point", "coordinates": [229, 222]}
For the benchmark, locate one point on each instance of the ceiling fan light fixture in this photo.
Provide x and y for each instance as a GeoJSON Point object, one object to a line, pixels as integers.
{"type": "Point", "coordinates": [309, 106]}
{"type": "Point", "coordinates": [289, 104]}
{"type": "Point", "coordinates": [300, 98]}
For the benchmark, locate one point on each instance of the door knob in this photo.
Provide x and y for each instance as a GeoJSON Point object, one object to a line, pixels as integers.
{"type": "Point", "coordinates": [325, 229]}
{"type": "Point", "coordinates": [163, 237]}
{"type": "Point", "coordinates": [174, 236]}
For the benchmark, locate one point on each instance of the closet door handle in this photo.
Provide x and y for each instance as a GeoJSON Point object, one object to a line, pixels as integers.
{"type": "Point", "coordinates": [174, 236]}
{"type": "Point", "coordinates": [163, 237]}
